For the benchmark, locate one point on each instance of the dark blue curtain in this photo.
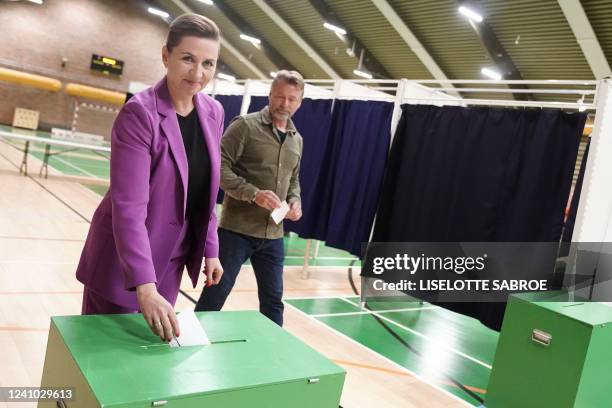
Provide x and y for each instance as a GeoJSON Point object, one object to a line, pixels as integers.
{"type": "Point", "coordinates": [257, 103]}
{"type": "Point", "coordinates": [478, 174]}
{"type": "Point", "coordinates": [231, 105]}
{"type": "Point", "coordinates": [313, 121]}
{"type": "Point", "coordinates": [347, 171]}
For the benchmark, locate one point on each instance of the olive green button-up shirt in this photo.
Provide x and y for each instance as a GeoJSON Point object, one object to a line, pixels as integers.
{"type": "Point", "coordinates": [253, 159]}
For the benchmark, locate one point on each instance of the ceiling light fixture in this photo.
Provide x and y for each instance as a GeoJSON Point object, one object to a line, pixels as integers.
{"type": "Point", "coordinates": [351, 51]}
{"type": "Point", "coordinates": [250, 39]}
{"type": "Point", "coordinates": [471, 14]}
{"type": "Point", "coordinates": [335, 28]}
{"type": "Point", "coordinates": [491, 74]}
{"type": "Point", "coordinates": [209, 2]}
{"type": "Point", "coordinates": [362, 73]}
{"type": "Point", "coordinates": [158, 12]}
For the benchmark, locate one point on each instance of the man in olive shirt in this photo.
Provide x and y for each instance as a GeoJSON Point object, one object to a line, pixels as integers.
{"type": "Point", "coordinates": [260, 163]}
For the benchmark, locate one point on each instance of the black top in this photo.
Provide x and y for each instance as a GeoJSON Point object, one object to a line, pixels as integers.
{"type": "Point", "coordinates": [198, 160]}
{"type": "Point", "coordinates": [281, 135]}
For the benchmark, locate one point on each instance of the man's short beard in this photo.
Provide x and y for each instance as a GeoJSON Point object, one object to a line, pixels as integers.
{"type": "Point", "coordinates": [281, 116]}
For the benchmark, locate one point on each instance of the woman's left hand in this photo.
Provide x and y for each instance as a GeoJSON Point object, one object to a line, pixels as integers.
{"type": "Point", "coordinates": [213, 271]}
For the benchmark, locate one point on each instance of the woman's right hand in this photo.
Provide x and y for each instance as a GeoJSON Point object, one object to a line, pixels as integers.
{"type": "Point", "coordinates": [158, 312]}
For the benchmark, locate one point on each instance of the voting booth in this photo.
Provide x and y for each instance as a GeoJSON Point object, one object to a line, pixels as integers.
{"type": "Point", "coordinates": [115, 361]}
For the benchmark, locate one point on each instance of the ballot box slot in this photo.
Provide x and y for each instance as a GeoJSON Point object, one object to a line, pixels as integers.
{"type": "Point", "coordinates": [154, 345]}
{"type": "Point", "coordinates": [228, 341]}
{"type": "Point", "coordinates": [574, 304]}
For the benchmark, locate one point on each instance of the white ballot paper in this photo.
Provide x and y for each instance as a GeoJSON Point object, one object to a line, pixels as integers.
{"type": "Point", "coordinates": [279, 213]}
{"type": "Point", "coordinates": [192, 332]}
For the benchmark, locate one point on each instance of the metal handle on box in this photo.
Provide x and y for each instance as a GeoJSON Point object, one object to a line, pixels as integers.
{"type": "Point", "coordinates": [313, 380]}
{"type": "Point", "coordinates": [541, 337]}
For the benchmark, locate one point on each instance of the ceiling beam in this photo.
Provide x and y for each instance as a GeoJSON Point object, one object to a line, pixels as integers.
{"type": "Point", "coordinates": [282, 24]}
{"type": "Point", "coordinates": [583, 31]}
{"type": "Point", "coordinates": [245, 28]}
{"type": "Point", "coordinates": [221, 65]}
{"type": "Point", "coordinates": [410, 39]}
{"type": "Point", "coordinates": [227, 45]}
{"type": "Point", "coordinates": [369, 60]}
{"type": "Point", "coordinates": [497, 53]}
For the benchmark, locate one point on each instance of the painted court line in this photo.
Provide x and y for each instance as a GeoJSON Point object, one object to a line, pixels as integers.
{"type": "Point", "coordinates": [398, 373]}
{"type": "Point", "coordinates": [79, 292]}
{"type": "Point", "coordinates": [196, 291]}
{"type": "Point", "coordinates": [411, 309]}
{"type": "Point", "coordinates": [22, 262]}
{"type": "Point", "coordinates": [325, 258]}
{"type": "Point", "coordinates": [31, 292]}
{"type": "Point", "coordinates": [313, 297]}
{"type": "Point", "coordinates": [76, 167]}
{"type": "Point", "coordinates": [371, 367]}
{"type": "Point", "coordinates": [84, 155]}
{"type": "Point", "coordinates": [289, 290]}
{"type": "Point", "coordinates": [23, 329]}
{"type": "Point", "coordinates": [401, 326]}
{"type": "Point", "coordinates": [41, 239]}
{"type": "Point", "coordinates": [393, 363]}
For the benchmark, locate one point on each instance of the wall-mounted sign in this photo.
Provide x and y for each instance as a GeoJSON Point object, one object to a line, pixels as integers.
{"type": "Point", "coordinates": [107, 65]}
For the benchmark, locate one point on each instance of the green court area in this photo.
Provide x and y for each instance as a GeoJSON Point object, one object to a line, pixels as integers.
{"type": "Point", "coordinates": [96, 165]}
{"type": "Point", "coordinates": [70, 161]}
{"type": "Point", "coordinates": [451, 351]}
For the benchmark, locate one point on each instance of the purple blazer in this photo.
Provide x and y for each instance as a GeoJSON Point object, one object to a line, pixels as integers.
{"type": "Point", "coordinates": [136, 226]}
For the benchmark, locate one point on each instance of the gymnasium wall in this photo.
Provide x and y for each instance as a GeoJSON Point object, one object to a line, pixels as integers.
{"type": "Point", "coordinates": [35, 38]}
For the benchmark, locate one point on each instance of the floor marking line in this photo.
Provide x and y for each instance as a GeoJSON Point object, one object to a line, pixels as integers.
{"type": "Point", "coordinates": [399, 373]}
{"type": "Point", "coordinates": [286, 290]}
{"type": "Point", "coordinates": [27, 293]}
{"type": "Point", "coordinates": [371, 367]}
{"type": "Point", "coordinates": [411, 309]}
{"type": "Point", "coordinates": [41, 239]}
{"type": "Point", "coordinates": [401, 326]}
{"type": "Point", "coordinates": [314, 297]}
{"type": "Point", "coordinates": [23, 329]}
{"type": "Point", "coordinates": [19, 262]}
{"type": "Point", "coordinates": [76, 167]}
{"type": "Point", "coordinates": [393, 363]}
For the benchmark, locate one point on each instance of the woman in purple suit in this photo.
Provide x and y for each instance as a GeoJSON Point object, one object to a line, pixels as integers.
{"type": "Point", "coordinates": [159, 214]}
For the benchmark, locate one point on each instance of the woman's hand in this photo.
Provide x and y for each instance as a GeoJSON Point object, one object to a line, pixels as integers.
{"type": "Point", "coordinates": [158, 312]}
{"type": "Point", "coordinates": [213, 271]}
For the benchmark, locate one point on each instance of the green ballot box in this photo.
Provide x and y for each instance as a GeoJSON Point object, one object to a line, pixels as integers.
{"type": "Point", "coordinates": [115, 361]}
{"type": "Point", "coordinates": [552, 354]}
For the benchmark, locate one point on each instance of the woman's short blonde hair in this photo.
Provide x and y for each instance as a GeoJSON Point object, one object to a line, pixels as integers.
{"type": "Point", "coordinates": [191, 25]}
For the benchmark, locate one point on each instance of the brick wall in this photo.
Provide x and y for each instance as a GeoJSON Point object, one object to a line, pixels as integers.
{"type": "Point", "coordinates": [36, 38]}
